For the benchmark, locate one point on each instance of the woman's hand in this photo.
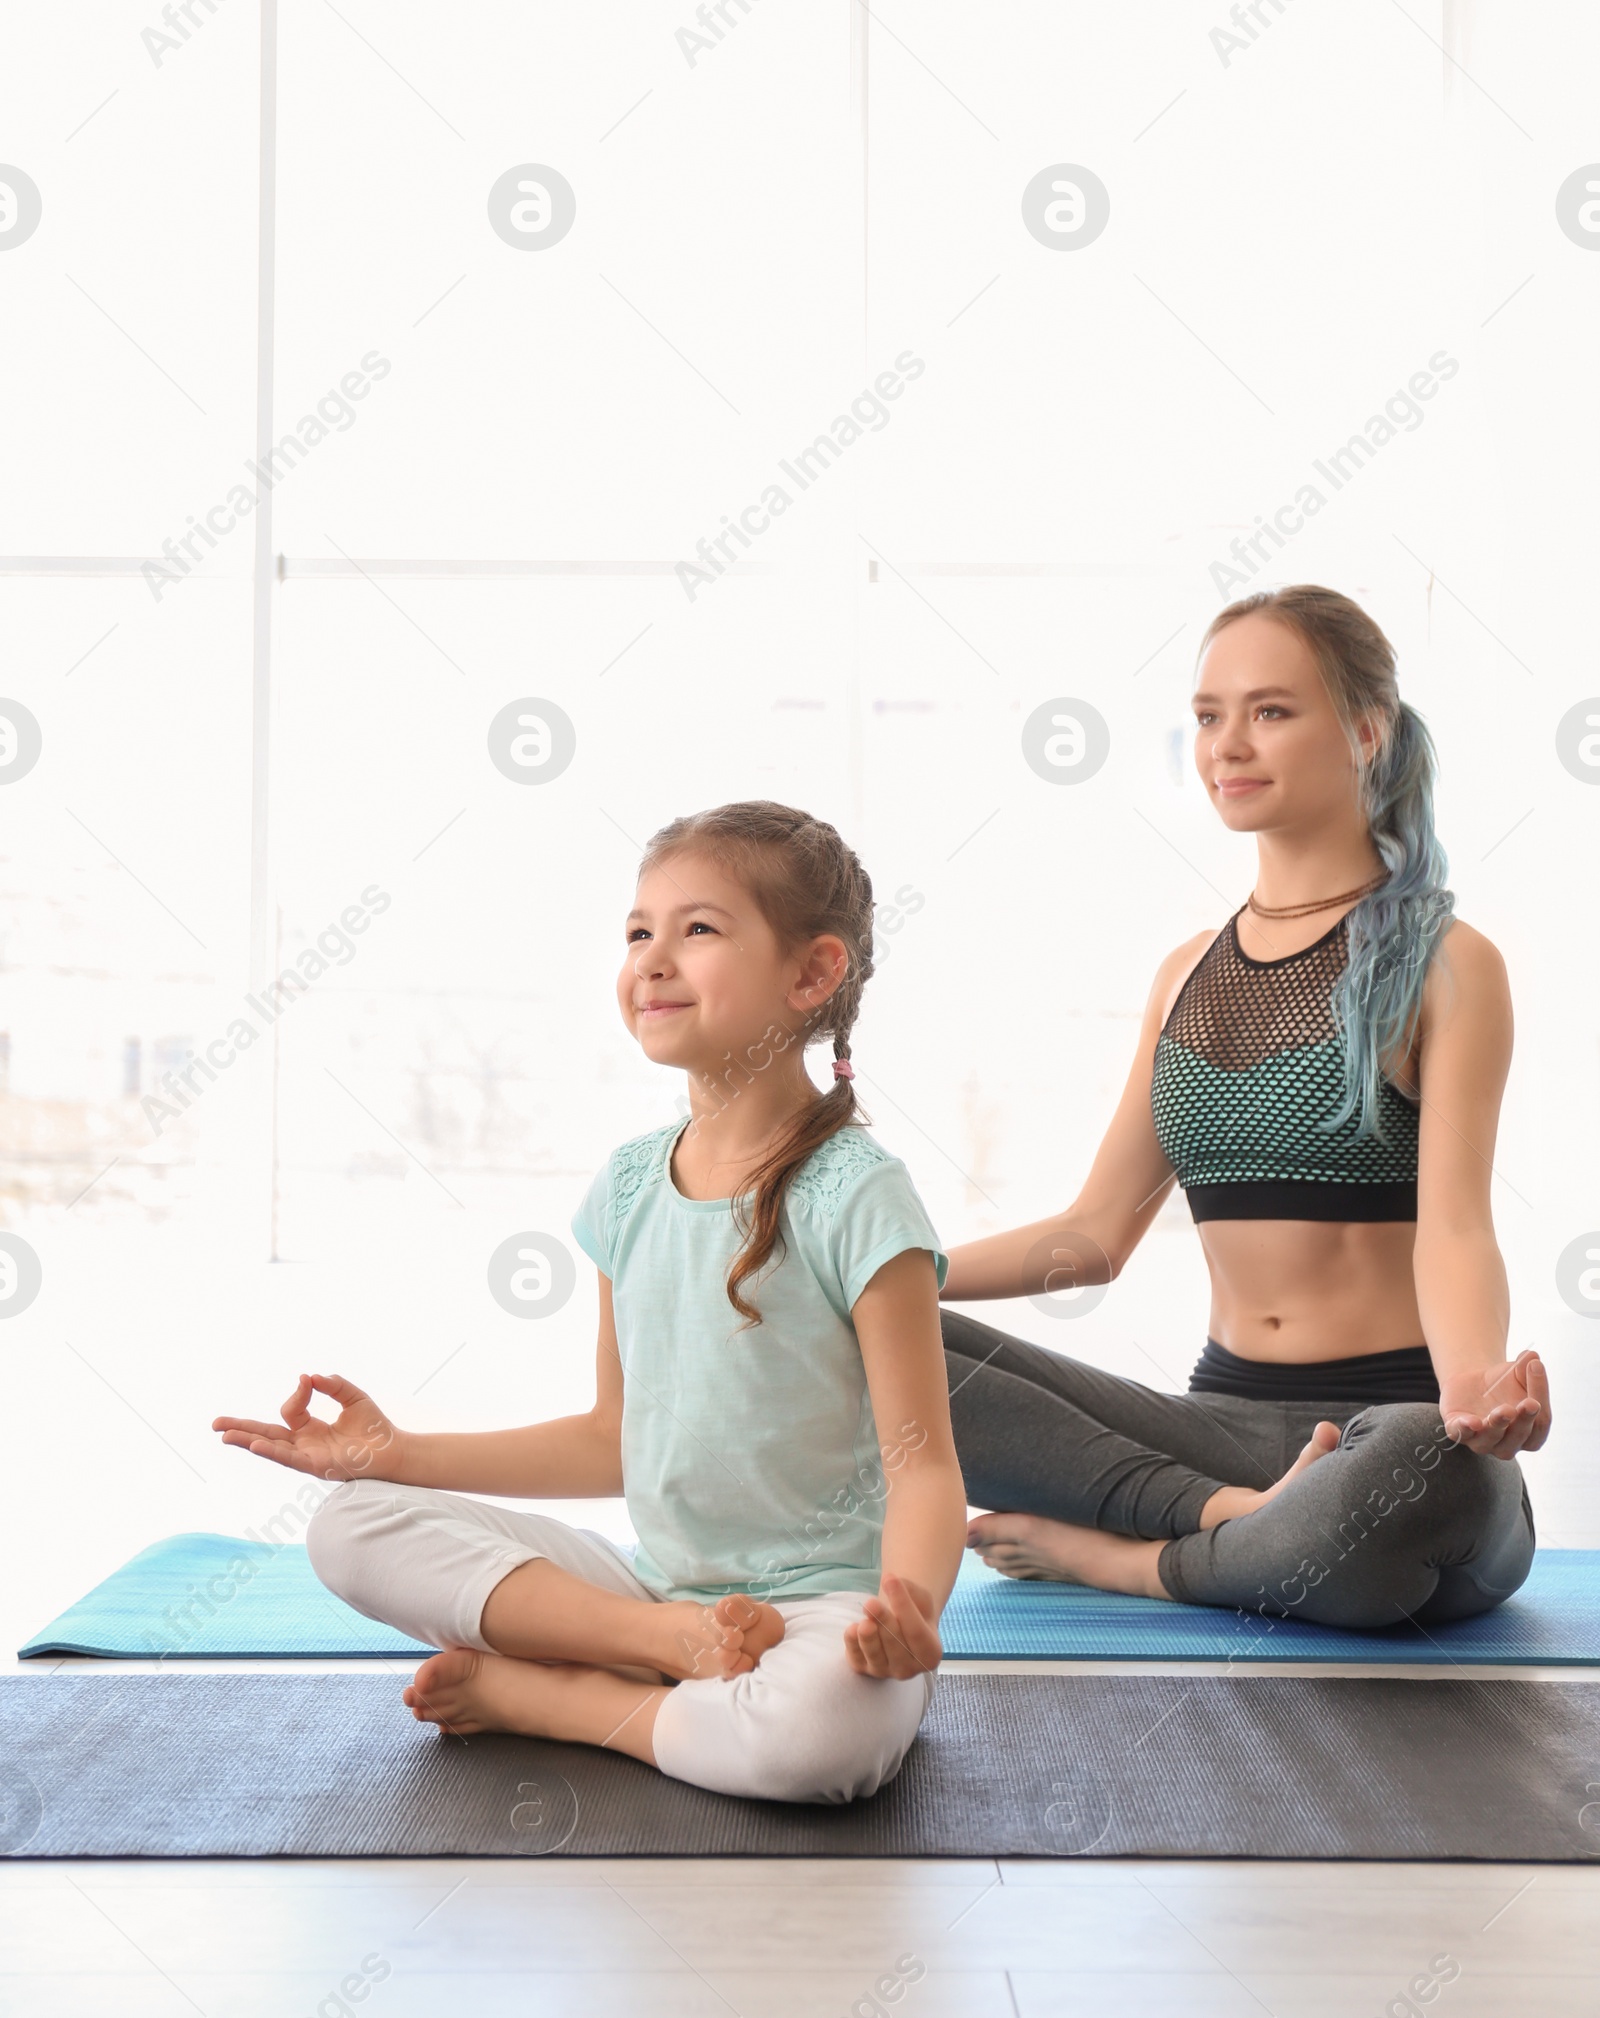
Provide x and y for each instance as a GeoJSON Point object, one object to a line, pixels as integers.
{"type": "Point", "coordinates": [360, 1442]}
{"type": "Point", "coordinates": [898, 1637]}
{"type": "Point", "coordinates": [1499, 1410]}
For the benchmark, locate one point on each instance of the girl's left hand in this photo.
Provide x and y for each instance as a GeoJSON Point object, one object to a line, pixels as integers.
{"type": "Point", "coordinates": [898, 1637]}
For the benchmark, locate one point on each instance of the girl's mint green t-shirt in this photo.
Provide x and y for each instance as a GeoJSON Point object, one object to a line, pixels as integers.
{"type": "Point", "coordinates": [750, 1458]}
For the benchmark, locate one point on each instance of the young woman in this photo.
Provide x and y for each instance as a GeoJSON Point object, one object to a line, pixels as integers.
{"type": "Point", "coordinates": [1324, 1078]}
{"type": "Point", "coordinates": [770, 1391]}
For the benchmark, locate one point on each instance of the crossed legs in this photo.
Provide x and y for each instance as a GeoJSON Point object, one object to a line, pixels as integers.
{"type": "Point", "coordinates": [544, 1629]}
{"type": "Point", "coordinates": [1349, 1515]}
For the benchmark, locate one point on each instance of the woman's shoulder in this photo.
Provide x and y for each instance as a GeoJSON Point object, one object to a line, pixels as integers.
{"type": "Point", "coordinates": [833, 1169]}
{"type": "Point", "coordinates": [1465, 960]}
{"type": "Point", "coordinates": [1475, 950]}
{"type": "Point", "coordinates": [1175, 970]}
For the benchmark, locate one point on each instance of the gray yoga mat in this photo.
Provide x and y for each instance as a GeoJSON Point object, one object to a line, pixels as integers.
{"type": "Point", "coordinates": [216, 1765]}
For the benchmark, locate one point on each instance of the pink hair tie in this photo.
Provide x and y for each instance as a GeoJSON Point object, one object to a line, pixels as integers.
{"type": "Point", "coordinates": [843, 1069]}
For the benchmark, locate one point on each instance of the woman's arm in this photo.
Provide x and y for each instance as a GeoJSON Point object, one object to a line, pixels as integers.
{"type": "Point", "coordinates": [925, 1509]}
{"type": "Point", "coordinates": [1091, 1240]}
{"type": "Point", "coordinates": [574, 1457]}
{"type": "Point", "coordinates": [1492, 1405]}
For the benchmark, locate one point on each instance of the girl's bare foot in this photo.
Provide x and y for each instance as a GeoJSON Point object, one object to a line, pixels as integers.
{"type": "Point", "coordinates": [1232, 1502]}
{"type": "Point", "coordinates": [1030, 1547]}
{"type": "Point", "coordinates": [699, 1643]}
{"type": "Point", "coordinates": [464, 1691]}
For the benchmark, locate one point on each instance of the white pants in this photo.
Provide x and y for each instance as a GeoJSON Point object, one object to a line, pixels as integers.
{"type": "Point", "coordinates": [801, 1726]}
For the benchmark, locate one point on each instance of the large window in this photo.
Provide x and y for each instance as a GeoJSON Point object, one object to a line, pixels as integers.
{"type": "Point", "coordinates": [786, 400]}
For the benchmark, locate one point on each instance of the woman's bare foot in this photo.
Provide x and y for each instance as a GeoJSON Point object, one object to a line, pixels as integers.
{"type": "Point", "coordinates": [464, 1691]}
{"type": "Point", "coordinates": [1030, 1547]}
{"type": "Point", "coordinates": [1232, 1502]}
{"type": "Point", "coordinates": [699, 1643]}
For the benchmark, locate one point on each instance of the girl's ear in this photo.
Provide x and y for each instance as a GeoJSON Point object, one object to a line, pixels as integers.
{"type": "Point", "coordinates": [823, 967]}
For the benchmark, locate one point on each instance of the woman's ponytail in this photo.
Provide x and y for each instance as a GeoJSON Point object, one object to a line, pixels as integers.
{"type": "Point", "coordinates": [1394, 930]}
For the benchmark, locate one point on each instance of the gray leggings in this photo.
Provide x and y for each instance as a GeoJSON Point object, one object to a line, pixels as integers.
{"type": "Point", "coordinates": [1397, 1523]}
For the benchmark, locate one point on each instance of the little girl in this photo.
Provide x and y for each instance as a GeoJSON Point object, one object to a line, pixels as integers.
{"type": "Point", "coordinates": [771, 1394]}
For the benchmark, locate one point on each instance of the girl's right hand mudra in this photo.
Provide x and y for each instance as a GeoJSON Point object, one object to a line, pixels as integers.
{"type": "Point", "coordinates": [360, 1442]}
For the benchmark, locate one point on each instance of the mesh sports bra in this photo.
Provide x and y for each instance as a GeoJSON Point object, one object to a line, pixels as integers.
{"type": "Point", "coordinates": [1247, 1064]}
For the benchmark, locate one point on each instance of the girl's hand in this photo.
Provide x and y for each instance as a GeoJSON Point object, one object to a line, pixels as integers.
{"type": "Point", "coordinates": [1498, 1411]}
{"type": "Point", "coordinates": [899, 1637]}
{"type": "Point", "coordinates": [360, 1442]}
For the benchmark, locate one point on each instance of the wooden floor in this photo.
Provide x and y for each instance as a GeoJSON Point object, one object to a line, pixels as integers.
{"type": "Point", "coordinates": [782, 1939]}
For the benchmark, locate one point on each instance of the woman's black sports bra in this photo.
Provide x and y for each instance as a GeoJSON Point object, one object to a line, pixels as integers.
{"type": "Point", "coordinates": [1247, 1064]}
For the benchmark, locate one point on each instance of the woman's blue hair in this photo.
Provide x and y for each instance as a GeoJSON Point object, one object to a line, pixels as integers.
{"type": "Point", "coordinates": [1395, 930]}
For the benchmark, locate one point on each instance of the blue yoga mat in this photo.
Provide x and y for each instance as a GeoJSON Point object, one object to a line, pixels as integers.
{"type": "Point", "coordinates": [214, 1597]}
{"type": "Point", "coordinates": [1553, 1620]}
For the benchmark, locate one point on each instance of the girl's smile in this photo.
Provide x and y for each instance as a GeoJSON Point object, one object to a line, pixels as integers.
{"type": "Point", "coordinates": [694, 926]}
